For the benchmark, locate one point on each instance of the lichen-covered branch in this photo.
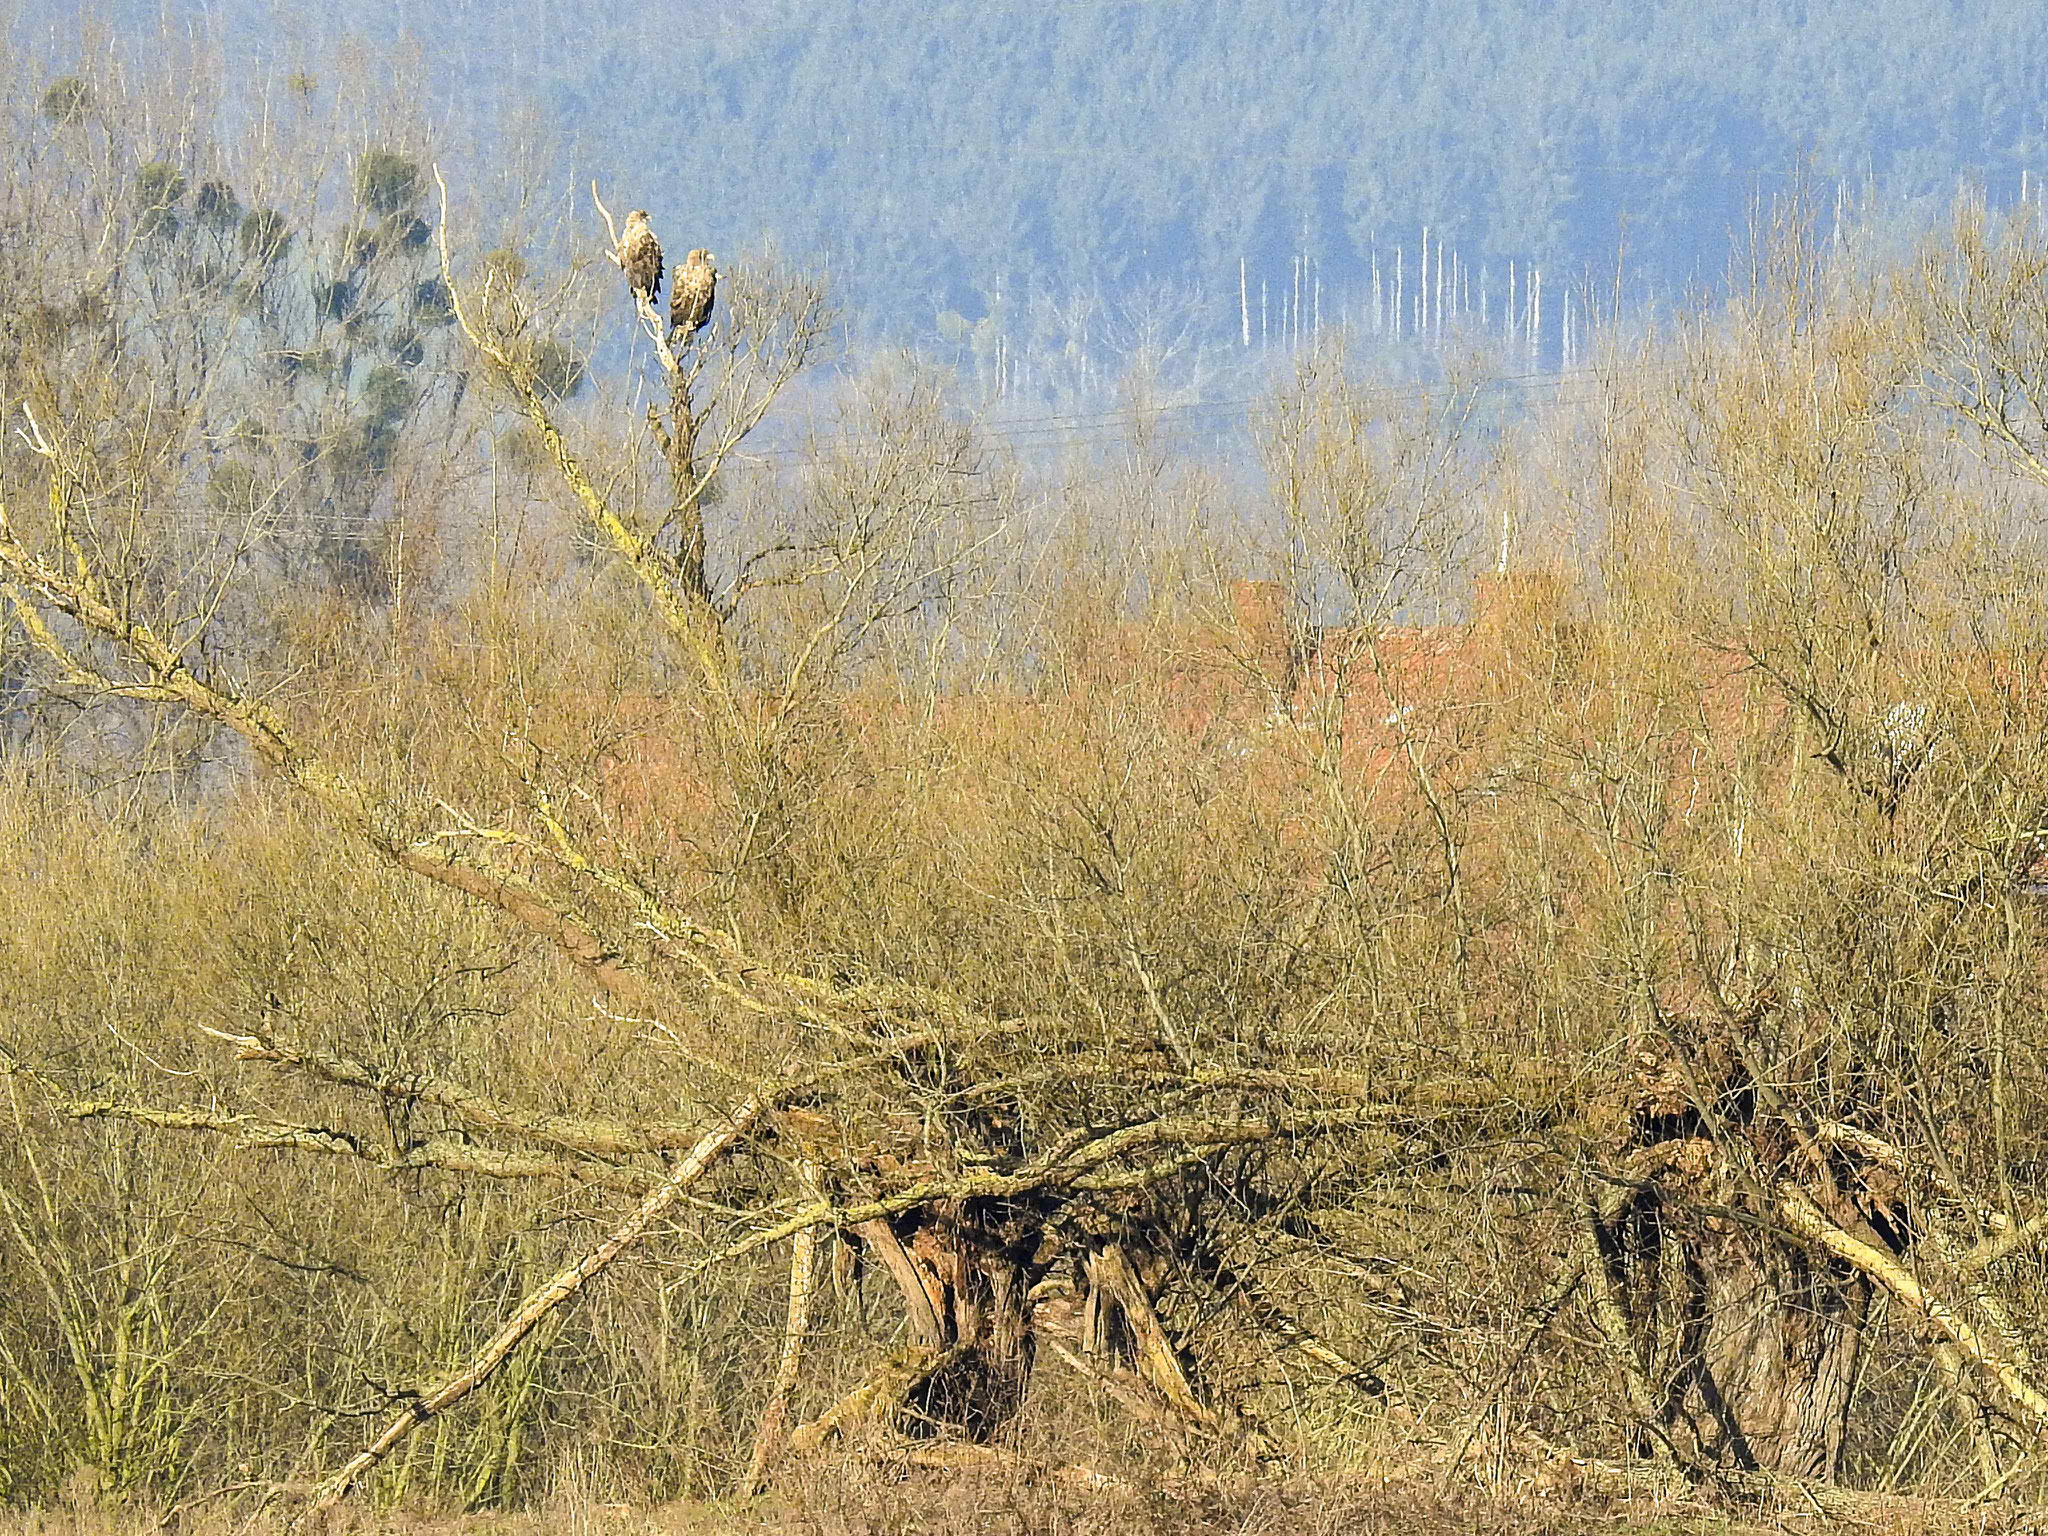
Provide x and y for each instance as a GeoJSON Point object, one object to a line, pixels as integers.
{"type": "Point", "coordinates": [544, 1301]}
{"type": "Point", "coordinates": [1804, 1216]}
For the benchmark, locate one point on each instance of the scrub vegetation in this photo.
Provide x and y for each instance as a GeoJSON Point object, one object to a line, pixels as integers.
{"type": "Point", "coordinates": [592, 926]}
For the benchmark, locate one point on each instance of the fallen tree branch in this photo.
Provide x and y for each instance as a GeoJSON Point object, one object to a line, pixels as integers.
{"type": "Point", "coordinates": [882, 1395]}
{"type": "Point", "coordinates": [583, 1135]}
{"type": "Point", "coordinates": [541, 1303]}
{"type": "Point", "coordinates": [2010, 1243]}
{"type": "Point", "coordinates": [1891, 1156]}
{"type": "Point", "coordinates": [444, 1154]}
{"type": "Point", "coordinates": [1080, 1167]}
{"type": "Point", "coordinates": [1804, 1216]}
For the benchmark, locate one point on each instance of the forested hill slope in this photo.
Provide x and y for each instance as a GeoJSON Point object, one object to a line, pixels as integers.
{"type": "Point", "coordinates": [940, 153]}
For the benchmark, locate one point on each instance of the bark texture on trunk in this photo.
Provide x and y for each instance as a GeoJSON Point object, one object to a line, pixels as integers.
{"type": "Point", "coordinates": [966, 1293]}
{"type": "Point", "coordinates": [1120, 1326]}
{"type": "Point", "coordinates": [1749, 1338]}
{"type": "Point", "coordinates": [1749, 1344]}
{"type": "Point", "coordinates": [1773, 1342]}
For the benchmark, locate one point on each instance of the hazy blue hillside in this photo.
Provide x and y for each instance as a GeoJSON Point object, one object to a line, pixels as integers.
{"type": "Point", "coordinates": [939, 154]}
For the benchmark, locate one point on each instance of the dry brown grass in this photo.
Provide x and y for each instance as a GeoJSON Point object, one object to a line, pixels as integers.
{"type": "Point", "coordinates": [893, 1497]}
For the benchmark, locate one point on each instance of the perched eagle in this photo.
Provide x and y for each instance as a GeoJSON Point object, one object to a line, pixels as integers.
{"type": "Point", "coordinates": [639, 255]}
{"type": "Point", "coordinates": [690, 295]}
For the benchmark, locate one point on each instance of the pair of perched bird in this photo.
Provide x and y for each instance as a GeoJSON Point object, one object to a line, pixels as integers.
{"type": "Point", "coordinates": [690, 291]}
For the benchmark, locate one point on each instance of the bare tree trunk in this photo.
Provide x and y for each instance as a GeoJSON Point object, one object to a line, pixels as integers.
{"type": "Point", "coordinates": [1378, 313]}
{"type": "Point", "coordinates": [1749, 1345]}
{"type": "Point", "coordinates": [686, 491]}
{"type": "Point", "coordinates": [965, 1289]}
{"type": "Point", "coordinates": [1120, 1323]}
{"type": "Point", "coordinates": [1749, 1337]}
{"type": "Point", "coordinates": [1778, 1337]}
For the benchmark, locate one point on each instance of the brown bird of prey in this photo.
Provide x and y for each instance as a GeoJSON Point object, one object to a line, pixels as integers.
{"type": "Point", "coordinates": [690, 294]}
{"type": "Point", "coordinates": [639, 255]}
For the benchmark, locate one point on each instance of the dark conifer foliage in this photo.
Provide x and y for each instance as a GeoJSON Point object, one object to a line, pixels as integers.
{"type": "Point", "coordinates": [938, 156]}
